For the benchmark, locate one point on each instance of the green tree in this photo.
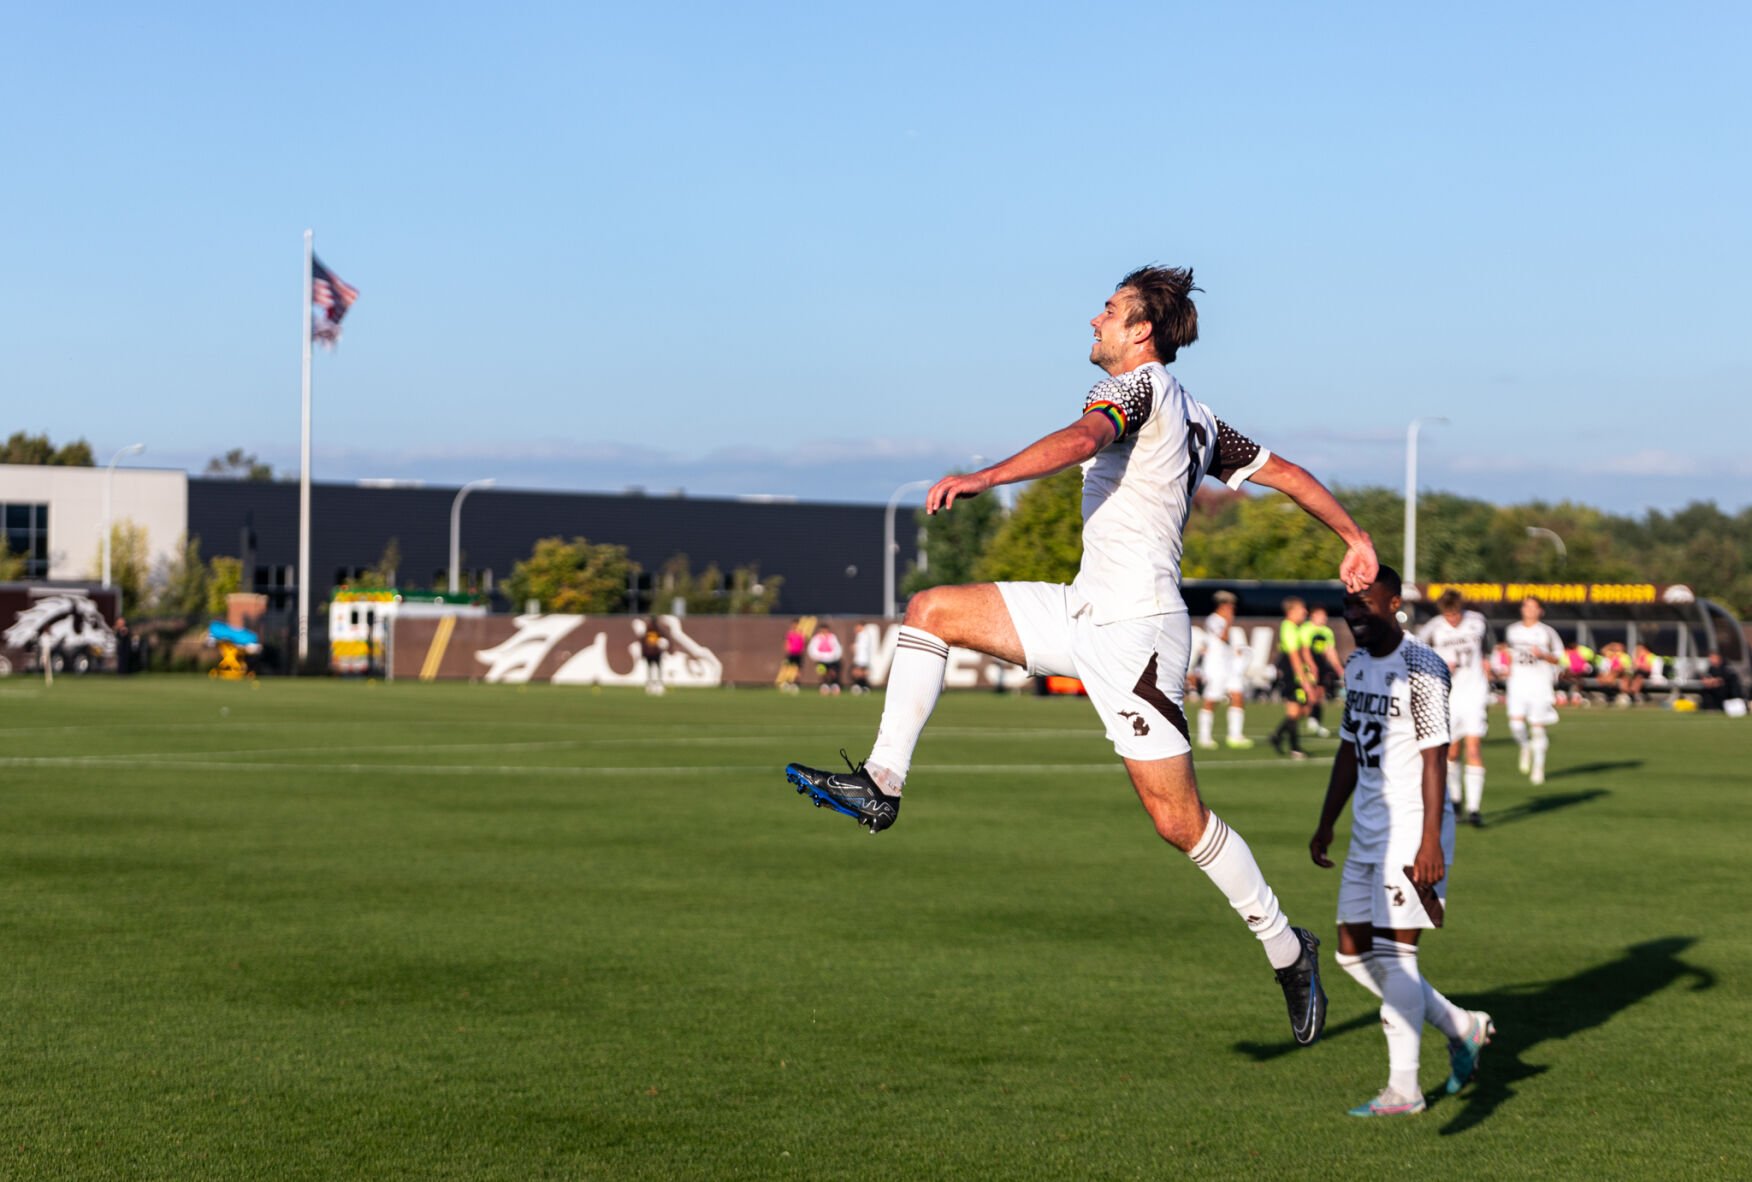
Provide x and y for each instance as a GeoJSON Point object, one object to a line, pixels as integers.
{"type": "Point", "coordinates": [1042, 538]}
{"type": "Point", "coordinates": [382, 576]}
{"type": "Point", "coordinates": [12, 566]}
{"type": "Point", "coordinates": [22, 448]}
{"type": "Point", "coordinates": [130, 563]}
{"type": "Point", "coordinates": [572, 577]}
{"type": "Point", "coordinates": [179, 584]}
{"type": "Point", "coordinates": [955, 542]}
{"type": "Point", "coordinates": [224, 578]}
{"type": "Point", "coordinates": [238, 464]}
{"type": "Point", "coordinates": [710, 593]}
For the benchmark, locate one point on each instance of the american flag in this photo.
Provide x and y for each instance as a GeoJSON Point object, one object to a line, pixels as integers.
{"type": "Point", "coordinates": [330, 297]}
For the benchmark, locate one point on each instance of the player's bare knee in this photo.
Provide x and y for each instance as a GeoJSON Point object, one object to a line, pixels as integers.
{"type": "Point", "coordinates": [931, 610]}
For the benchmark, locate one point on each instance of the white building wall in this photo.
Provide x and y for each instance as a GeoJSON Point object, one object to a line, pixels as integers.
{"type": "Point", "coordinates": [156, 499]}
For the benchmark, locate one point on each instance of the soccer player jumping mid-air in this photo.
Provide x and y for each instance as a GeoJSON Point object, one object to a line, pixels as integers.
{"type": "Point", "coordinates": [1121, 626]}
{"type": "Point", "coordinates": [1392, 755]}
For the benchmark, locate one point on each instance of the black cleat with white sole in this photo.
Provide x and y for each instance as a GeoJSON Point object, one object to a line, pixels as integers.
{"type": "Point", "coordinates": [1302, 992]}
{"type": "Point", "coordinates": [853, 793]}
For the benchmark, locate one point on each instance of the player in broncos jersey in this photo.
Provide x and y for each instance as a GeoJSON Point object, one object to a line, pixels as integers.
{"type": "Point", "coordinates": [1122, 626]}
{"type": "Point", "coordinates": [1222, 670]}
{"type": "Point", "coordinates": [1532, 694]}
{"type": "Point", "coordinates": [1393, 745]}
{"type": "Point", "coordinates": [1458, 637]}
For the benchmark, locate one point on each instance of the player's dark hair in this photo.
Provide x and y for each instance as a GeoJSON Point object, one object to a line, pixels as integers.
{"type": "Point", "coordinates": [1534, 599]}
{"type": "Point", "coordinates": [1390, 579]}
{"type": "Point", "coordinates": [1291, 603]}
{"type": "Point", "coordinates": [1164, 298]}
{"type": "Point", "coordinates": [1450, 600]}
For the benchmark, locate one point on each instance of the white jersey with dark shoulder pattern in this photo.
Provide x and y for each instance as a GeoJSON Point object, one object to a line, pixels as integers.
{"type": "Point", "coordinates": [1395, 709]}
{"type": "Point", "coordinates": [1137, 491]}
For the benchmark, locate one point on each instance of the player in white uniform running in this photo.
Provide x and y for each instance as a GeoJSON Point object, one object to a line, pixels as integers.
{"type": "Point", "coordinates": [1223, 671]}
{"type": "Point", "coordinates": [1392, 750]}
{"type": "Point", "coordinates": [1122, 626]}
{"type": "Point", "coordinates": [1537, 653]}
{"type": "Point", "coordinates": [1458, 636]}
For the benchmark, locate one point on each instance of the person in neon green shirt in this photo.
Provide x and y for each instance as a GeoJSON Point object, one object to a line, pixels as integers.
{"type": "Point", "coordinates": [1322, 650]}
{"type": "Point", "coordinates": [1295, 677]}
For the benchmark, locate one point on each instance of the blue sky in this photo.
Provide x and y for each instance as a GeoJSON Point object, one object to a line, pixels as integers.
{"type": "Point", "coordinates": [788, 250]}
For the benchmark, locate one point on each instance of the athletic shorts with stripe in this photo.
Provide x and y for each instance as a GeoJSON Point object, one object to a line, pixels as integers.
{"type": "Point", "coordinates": [1134, 670]}
{"type": "Point", "coordinates": [1381, 893]}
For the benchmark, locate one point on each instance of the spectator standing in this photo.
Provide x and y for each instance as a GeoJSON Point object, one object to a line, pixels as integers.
{"type": "Point", "coordinates": [863, 656]}
{"type": "Point", "coordinates": [652, 645]}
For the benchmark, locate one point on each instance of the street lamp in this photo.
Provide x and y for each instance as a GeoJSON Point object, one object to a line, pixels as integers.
{"type": "Point", "coordinates": [1410, 572]}
{"type": "Point", "coordinates": [109, 480]}
{"type": "Point", "coordinates": [456, 529]}
{"type": "Point", "coordinates": [889, 546]}
{"type": "Point", "coordinates": [1539, 531]}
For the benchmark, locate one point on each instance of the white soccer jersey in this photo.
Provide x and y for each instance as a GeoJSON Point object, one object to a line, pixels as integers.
{"type": "Point", "coordinates": [1137, 491]}
{"type": "Point", "coordinates": [1395, 708]}
{"type": "Point", "coordinates": [1461, 647]}
{"type": "Point", "coordinates": [1529, 644]}
{"type": "Point", "coordinates": [864, 647]}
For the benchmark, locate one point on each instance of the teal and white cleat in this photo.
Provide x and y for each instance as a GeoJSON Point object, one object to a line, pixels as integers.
{"type": "Point", "coordinates": [1464, 1053]}
{"type": "Point", "coordinates": [1390, 1103]}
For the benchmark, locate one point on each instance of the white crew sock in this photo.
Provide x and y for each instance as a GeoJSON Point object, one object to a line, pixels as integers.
{"type": "Point", "coordinates": [1402, 1011]}
{"type": "Point", "coordinates": [1227, 861]}
{"type": "Point", "coordinates": [1453, 781]}
{"type": "Point", "coordinates": [1474, 788]}
{"type": "Point", "coordinates": [1206, 723]}
{"type": "Point", "coordinates": [1539, 743]}
{"type": "Point", "coordinates": [914, 681]}
{"type": "Point", "coordinates": [1518, 728]}
{"type": "Point", "coordinates": [1439, 1012]}
{"type": "Point", "coordinates": [1237, 718]}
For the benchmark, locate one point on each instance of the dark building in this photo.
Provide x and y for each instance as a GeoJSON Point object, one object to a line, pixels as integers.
{"type": "Point", "coordinates": [830, 556]}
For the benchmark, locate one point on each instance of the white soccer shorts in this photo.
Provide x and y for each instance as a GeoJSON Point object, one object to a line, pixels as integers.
{"type": "Point", "coordinates": [1381, 894]}
{"type": "Point", "coordinates": [1468, 713]}
{"type": "Point", "coordinates": [1221, 671]}
{"type": "Point", "coordinates": [1536, 701]}
{"type": "Point", "coordinates": [1133, 670]}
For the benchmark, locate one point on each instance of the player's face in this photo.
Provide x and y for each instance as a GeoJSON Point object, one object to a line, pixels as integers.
{"type": "Point", "coordinates": [1113, 337]}
{"type": "Point", "coordinates": [1452, 615]}
{"type": "Point", "coordinates": [1371, 614]}
{"type": "Point", "coordinates": [1531, 612]}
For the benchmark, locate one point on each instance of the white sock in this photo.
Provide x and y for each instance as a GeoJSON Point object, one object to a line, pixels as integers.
{"type": "Point", "coordinates": [1205, 724]}
{"type": "Point", "coordinates": [1361, 970]}
{"type": "Point", "coordinates": [914, 681]}
{"type": "Point", "coordinates": [1540, 742]}
{"type": "Point", "coordinates": [1227, 861]}
{"type": "Point", "coordinates": [1453, 781]}
{"type": "Point", "coordinates": [1237, 717]}
{"type": "Point", "coordinates": [1518, 728]}
{"type": "Point", "coordinates": [1439, 1012]}
{"type": "Point", "coordinates": [1402, 1011]}
{"type": "Point", "coordinates": [1474, 788]}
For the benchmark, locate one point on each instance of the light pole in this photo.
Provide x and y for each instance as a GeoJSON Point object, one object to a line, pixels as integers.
{"type": "Point", "coordinates": [1410, 571]}
{"type": "Point", "coordinates": [889, 546]}
{"type": "Point", "coordinates": [456, 529]}
{"type": "Point", "coordinates": [1539, 531]}
{"type": "Point", "coordinates": [109, 480]}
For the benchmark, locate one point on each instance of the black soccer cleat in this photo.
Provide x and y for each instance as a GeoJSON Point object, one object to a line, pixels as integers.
{"type": "Point", "coordinates": [1302, 992]}
{"type": "Point", "coordinates": [1475, 819]}
{"type": "Point", "coordinates": [853, 793]}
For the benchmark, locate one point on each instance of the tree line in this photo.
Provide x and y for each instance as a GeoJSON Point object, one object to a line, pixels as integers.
{"type": "Point", "coordinates": [1460, 539]}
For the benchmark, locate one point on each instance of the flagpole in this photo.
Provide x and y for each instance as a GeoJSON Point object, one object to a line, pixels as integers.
{"type": "Point", "coordinates": [304, 474]}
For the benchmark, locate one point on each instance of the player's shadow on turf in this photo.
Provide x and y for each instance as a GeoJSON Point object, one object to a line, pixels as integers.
{"type": "Point", "coordinates": [1589, 769]}
{"type": "Point", "coordinates": [1528, 1015]}
{"type": "Point", "coordinates": [1550, 802]}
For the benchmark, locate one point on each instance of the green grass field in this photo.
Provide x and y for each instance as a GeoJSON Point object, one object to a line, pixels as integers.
{"type": "Point", "coordinates": [324, 930]}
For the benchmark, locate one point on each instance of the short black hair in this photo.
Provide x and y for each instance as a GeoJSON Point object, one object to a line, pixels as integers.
{"type": "Point", "coordinates": [1389, 578]}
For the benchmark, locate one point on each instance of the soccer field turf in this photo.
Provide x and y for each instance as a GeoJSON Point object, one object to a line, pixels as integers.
{"type": "Point", "coordinates": [331, 930]}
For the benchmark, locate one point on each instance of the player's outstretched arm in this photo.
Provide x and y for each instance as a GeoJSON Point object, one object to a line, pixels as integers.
{"type": "Point", "coordinates": [1358, 568]}
{"type": "Point", "coordinates": [1043, 457]}
{"type": "Point", "coordinates": [1338, 794]}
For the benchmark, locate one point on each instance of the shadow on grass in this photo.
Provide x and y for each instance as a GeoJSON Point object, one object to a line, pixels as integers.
{"type": "Point", "coordinates": [1589, 769]}
{"type": "Point", "coordinates": [1528, 1015]}
{"type": "Point", "coordinates": [1548, 803]}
